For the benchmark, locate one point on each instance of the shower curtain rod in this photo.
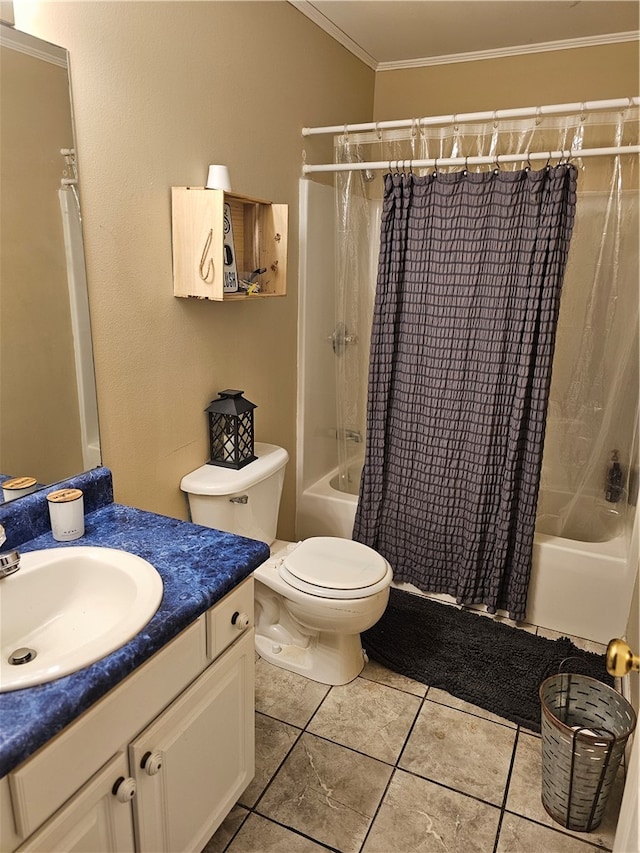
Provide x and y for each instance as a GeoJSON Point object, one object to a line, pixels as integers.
{"type": "Point", "coordinates": [497, 160]}
{"type": "Point", "coordinates": [487, 115]}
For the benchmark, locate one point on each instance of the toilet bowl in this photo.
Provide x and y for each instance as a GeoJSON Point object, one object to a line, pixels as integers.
{"type": "Point", "coordinates": [313, 598]}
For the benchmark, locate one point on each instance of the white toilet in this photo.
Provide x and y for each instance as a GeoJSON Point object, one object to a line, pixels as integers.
{"type": "Point", "coordinates": [313, 598]}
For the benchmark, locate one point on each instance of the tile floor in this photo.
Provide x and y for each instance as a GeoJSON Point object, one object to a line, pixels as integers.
{"type": "Point", "coordinates": [388, 765]}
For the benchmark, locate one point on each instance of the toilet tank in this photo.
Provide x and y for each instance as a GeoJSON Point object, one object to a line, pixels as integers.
{"type": "Point", "coordinates": [245, 502]}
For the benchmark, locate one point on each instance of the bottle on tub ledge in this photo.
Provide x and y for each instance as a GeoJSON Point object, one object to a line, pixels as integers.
{"type": "Point", "coordinates": [613, 488]}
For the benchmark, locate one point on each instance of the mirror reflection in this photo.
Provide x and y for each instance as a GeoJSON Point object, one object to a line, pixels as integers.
{"type": "Point", "coordinates": [48, 411]}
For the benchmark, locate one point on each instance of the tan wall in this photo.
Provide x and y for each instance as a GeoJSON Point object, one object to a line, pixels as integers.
{"type": "Point", "coordinates": [554, 77]}
{"type": "Point", "coordinates": [162, 89]}
{"type": "Point", "coordinates": [39, 417]}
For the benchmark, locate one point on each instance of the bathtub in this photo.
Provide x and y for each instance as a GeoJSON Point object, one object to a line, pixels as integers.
{"type": "Point", "coordinates": [582, 588]}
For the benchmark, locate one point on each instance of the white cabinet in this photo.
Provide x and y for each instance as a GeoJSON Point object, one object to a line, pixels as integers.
{"type": "Point", "coordinates": [178, 733]}
{"type": "Point", "coordinates": [93, 820]}
{"type": "Point", "coordinates": [204, 744]}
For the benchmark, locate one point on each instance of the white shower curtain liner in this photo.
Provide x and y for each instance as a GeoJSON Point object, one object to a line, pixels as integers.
{"type": "Point", "coordinates": [593, 407]}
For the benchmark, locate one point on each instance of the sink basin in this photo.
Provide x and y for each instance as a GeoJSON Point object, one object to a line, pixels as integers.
{"type": "Point", "coordinates": [71, 606]}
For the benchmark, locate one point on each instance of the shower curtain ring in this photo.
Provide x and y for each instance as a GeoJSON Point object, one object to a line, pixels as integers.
{"type": "Point", "coordinates": [435, 167]}
{"type": "Point", "coordinates": [465, 171]}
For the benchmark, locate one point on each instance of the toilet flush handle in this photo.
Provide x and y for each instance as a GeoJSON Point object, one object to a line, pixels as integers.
{"type": "Point", "coordinates": [240, 499]}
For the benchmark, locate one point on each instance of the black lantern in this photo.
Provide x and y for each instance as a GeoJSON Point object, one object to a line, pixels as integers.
{"type": "Point", "coordinates": [231, 430]}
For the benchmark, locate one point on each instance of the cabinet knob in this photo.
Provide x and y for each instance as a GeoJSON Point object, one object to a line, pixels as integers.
{"type": "Point", "coordinates": [124, 790]}
{"type": "Point", "coordinates": [151, 763]}
{"type": "Point", "coordinates": [240, 620]}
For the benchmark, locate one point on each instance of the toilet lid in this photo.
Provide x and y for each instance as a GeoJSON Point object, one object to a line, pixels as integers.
{"type": "Point", "coordinates": [326, 562]}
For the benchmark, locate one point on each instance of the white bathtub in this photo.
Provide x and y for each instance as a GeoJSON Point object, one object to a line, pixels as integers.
{"type": "Point", "coordinates": [578, 588]}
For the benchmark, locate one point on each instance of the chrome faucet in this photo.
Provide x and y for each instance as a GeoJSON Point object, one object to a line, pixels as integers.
{"type": "Point", "coordinates": [9, 560]}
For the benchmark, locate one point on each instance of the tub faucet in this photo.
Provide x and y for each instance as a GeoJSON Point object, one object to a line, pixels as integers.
{"type": "Point", "coordinates": [9, 560]}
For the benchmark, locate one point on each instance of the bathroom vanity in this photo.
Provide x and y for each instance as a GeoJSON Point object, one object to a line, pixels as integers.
{"type": "Point", "coordinates": [149, 748]}
{"type": "Point", "coordinates": [159, 762]}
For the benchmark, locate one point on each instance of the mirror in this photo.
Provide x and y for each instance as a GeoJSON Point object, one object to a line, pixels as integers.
{"type": "Point", "coordinates": [48, 409]}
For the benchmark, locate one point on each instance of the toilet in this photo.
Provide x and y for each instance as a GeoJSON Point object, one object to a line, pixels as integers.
{"type": "Point", "coordinates": [313, 598]}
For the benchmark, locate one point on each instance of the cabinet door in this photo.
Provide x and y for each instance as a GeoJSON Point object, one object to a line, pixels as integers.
{"type": "Point", "coordinates": [93, 821]}
{"type": "Point", "coordinates": [198, 755]}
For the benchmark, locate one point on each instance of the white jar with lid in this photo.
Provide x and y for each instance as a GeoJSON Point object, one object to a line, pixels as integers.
{"type": "Point", "coordinates": [66, 511]}
{"type": "Point", "coordinates": [17, 487]}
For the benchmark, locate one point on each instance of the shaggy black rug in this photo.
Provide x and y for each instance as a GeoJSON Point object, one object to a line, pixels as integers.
{"type": "Point", "coordinates": [494, 666]}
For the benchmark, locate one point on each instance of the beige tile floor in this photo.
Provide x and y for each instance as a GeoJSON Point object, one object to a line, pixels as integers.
{"type": "Point", "coordinates": [388, 765]}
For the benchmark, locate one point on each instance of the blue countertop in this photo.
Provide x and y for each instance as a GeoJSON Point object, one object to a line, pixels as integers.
{"type": "Point", "coordinates": [198, 567]}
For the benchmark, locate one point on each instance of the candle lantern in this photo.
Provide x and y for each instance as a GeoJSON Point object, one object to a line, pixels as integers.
{"type": "Point", "coordinates": [231, 430]}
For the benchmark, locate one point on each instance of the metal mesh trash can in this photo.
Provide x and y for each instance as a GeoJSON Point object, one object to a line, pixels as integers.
{"type": "Point", "coordinates": [585, 726]}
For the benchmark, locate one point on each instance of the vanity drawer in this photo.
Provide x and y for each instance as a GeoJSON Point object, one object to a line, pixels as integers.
{"type": "Point", "coordinates": [46, 780]}
{"type": "Point", "coordinates": [221, 630]}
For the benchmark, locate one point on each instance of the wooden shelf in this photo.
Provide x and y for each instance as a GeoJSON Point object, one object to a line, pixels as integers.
{"type": "Point", "coordinates": [260, 240]}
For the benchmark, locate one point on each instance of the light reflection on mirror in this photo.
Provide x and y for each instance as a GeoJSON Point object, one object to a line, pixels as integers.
{"type": "Point", "coordinates": [48, 410]}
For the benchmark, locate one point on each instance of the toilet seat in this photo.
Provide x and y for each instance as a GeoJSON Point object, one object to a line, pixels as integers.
{"type": "Point", "coordinates": [329, 567]}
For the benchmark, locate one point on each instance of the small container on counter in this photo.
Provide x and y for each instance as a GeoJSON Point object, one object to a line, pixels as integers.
{"type": "Point", "coordinates": [66, 511]}
{"type": "Point", "coordinates": [17, 487]}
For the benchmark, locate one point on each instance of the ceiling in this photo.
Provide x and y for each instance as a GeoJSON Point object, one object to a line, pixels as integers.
{"type": "Point", "coordinates": [404, 33]}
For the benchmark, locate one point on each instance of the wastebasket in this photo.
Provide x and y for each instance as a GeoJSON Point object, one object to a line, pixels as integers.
{"type": "Point", "coordinates": [585, 726]}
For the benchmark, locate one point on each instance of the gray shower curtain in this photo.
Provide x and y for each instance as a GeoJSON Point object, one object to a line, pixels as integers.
{"type": "Point", "coordinates": [469, 278]}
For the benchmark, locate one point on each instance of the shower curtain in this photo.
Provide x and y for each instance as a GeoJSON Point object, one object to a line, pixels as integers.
{"type": "Point", "coordinates": [469, 279]}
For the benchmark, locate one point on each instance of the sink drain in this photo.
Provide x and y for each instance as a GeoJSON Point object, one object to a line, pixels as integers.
{"type": "Point", "coordinates": [23, 655]}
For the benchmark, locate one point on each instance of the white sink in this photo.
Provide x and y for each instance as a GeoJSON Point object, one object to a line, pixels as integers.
{"type": "Point", "coordinates": [72, 606]}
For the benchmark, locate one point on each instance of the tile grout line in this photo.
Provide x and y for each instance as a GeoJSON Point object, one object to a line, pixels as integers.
{"type": "Point", "coordinates": [506, 789]}
{"type": "Point", "coordinates": [395, 765]}
{"type": "Point", "coordinates": [254, 809]}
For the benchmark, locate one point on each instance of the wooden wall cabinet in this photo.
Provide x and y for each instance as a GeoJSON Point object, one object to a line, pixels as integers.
{"type": "Point", "coordinates": [260, 239]}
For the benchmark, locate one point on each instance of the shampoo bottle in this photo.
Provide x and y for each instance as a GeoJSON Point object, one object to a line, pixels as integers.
{"type": "Point", "coordinates": [613, 488]}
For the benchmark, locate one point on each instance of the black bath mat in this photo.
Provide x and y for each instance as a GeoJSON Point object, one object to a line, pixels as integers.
{"type": "Point", "coordinates": [494, 666]}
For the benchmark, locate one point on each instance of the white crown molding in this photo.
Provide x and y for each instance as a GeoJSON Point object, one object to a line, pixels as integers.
{"type": "Point", "coordinates": [307, 8]}
{"type": "Point", "coordinates": [516, 50]}
{"type": "Point", "coordinates": [25, 43]}
{"type": "Point", "coordinates": [329, 27]}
